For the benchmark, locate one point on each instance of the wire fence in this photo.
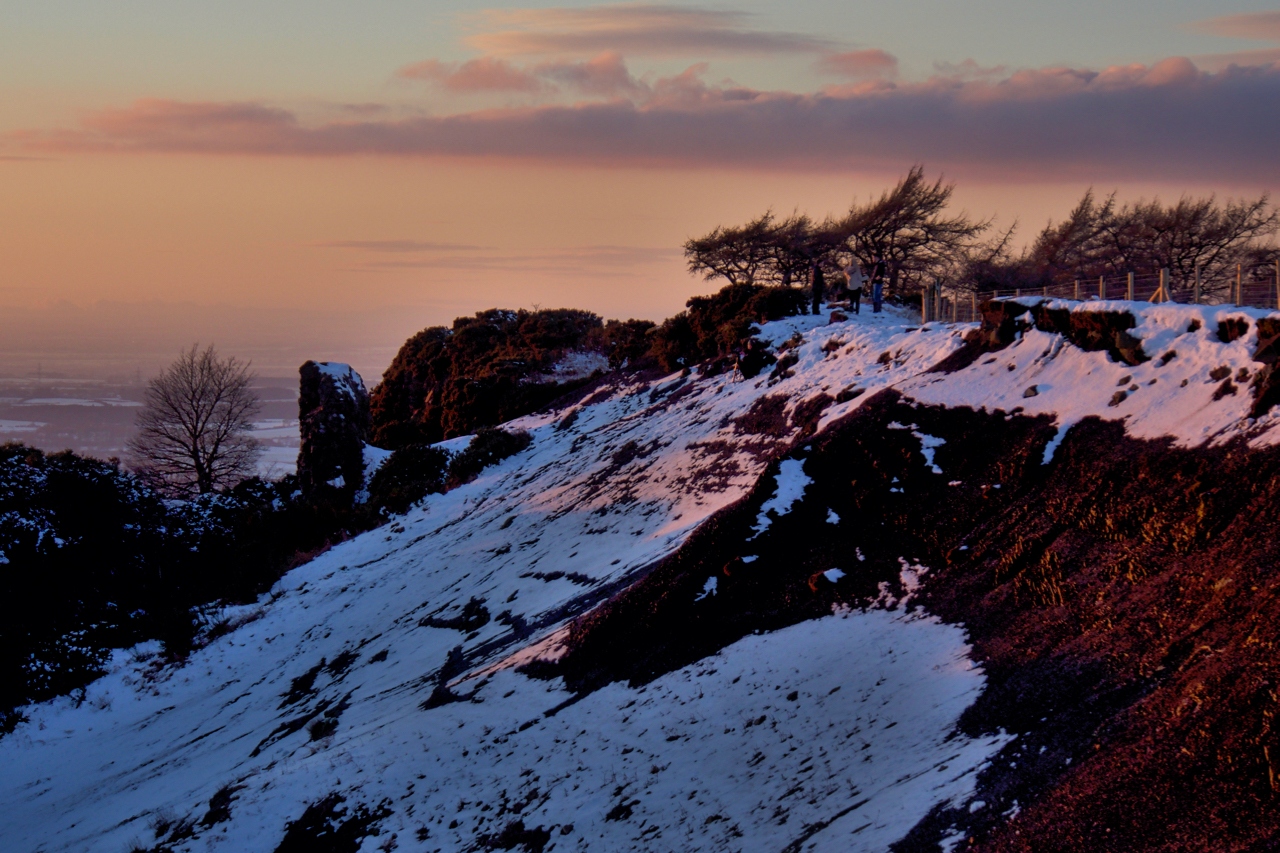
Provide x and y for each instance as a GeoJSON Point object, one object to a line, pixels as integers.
{"type": "Point", "coordinates": [939, 303]}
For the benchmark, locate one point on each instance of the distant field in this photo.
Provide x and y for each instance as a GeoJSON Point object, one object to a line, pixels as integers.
{"type": "Point", "coordinates": [96, 418]}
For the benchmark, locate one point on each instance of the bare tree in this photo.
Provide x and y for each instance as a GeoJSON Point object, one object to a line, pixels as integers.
{"type": "Point", "coordinates": [1073, 248]}
{"type": "Point", "coordinates": [193, 433]}
{"type": "Point", "coordinates": [908, 228]}
{"type": "Point", "coordinates": [1194, 234]}
{"type": "Point", "coordinates": [740, 254]}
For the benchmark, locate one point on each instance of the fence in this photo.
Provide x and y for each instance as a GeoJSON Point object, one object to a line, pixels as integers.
{"type": "Point", "coordinates": [940, 303]}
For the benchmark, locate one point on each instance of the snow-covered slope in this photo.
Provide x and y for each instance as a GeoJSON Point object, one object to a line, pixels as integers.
{"type": "Point", "coordinates": [374, 688]}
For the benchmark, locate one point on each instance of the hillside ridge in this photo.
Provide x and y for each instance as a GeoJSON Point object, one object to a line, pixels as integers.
{"type": "Point", "coordinates": [828, 500]}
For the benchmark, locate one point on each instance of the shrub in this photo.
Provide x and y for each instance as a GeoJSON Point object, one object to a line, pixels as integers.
{"type": "Point", "coordinates": [627, 343]}
{"type": "Point", "coordinates": [490, 446]}
{"type": "Point", "coordinates": [720, 323]}
{"type": "Point", "coordinates": [448, 382]}
{"type": "Point", "coordinates": [407, 476]}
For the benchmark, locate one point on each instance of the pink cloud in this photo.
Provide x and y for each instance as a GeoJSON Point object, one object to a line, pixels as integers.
{"type": "Point", "coordinates": [632, 28]}
{"type": "Point", "coordinates": [485, 74]}
{"type": "Point", "coordinates": [1164, 121]}
{"type": "Point", "coordinates": [968, 70]}
{"type": "Point", "coordinates": [1258, 26]}
{"type": "Point", "coordinates": [605, 75]}
{"type": "Point", "coordinates": [1220, 61]}
{"type": "Point", "coordinates": [860, 63]}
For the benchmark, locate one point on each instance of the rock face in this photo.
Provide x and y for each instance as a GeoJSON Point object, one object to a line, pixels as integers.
{"type": "Point", "coordinates": [333, 417]}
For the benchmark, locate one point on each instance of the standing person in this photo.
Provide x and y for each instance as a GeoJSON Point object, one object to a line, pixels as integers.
{"type": "Point", "coordinates": [819, 285]}
{"type": "Point", "coordinates": [855, 283]}
{"type": "Point", "coordinates": [877, 284]}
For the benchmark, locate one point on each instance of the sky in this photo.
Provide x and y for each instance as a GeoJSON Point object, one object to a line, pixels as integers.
{"type": "Point", "coordinates": [322, 179]}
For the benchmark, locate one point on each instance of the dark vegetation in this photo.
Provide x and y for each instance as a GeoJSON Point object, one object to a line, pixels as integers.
{"type": "Point", "coordinates": [193, 431]}
{"type": "Point", "coordinates": [329, 826]}
{"type": "Point", "coordinates": [494, 366]}
{"type": "Point", "coordinates": [922, 243]}
{"type": "Point", "coordinates": [481, 372]}
{"type": "Point", "coordinates": [409, 474]}
{"type": "Point", "coordinates": [94, 559]}
{"type": "Point", "coordinates": [1106, 238]}
{"type": "Point", "coordinates": [908, 227]}
{"type": "Point", "coordinates": [1122, 600]}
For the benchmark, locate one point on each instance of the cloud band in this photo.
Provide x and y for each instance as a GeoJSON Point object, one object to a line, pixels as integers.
{"type": "Point", "coordinates": [1169, 120]}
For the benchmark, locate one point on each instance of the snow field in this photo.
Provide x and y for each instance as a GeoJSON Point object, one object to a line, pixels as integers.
{"type": "Point", "coordinates": [360, 637]}
{"type": "Point", "coordinates": [1155, 399]}
{"type": "Point", "coordinates": [842, 721]}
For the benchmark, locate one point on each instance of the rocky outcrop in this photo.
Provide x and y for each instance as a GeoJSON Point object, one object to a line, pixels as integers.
{"type": "Point", "coordinates": [1003, 320]}
{"type": "Point", "coordinates": [333, 417]}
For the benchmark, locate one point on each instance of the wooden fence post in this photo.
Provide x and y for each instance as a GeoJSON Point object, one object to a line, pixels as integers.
{"type": "Point", "coordinates": [1128, 288]}
{"type": "Point", "coordinates": [955, 307]}
{"type": "Point", "coordinates": [1102, 287]}
{"type": "Point", "coordinates": [1239, 283]}
{"type": "Point", "coordinates": [1196, 300]}
{"type": "Point", "coordinates": [1077, 287]}
{"type": "Point", "coordinates": [1278, 284]}
{"type": "Point", "coordinates": [974, 306]}
{"type": "Point", "coordinates": [1165, 295]}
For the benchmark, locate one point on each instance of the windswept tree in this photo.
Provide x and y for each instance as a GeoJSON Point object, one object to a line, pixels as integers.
{"type": "Point", "coordinates": [1103, 238]}
{"type": "Point", "coordinates": [741, 255]}
{"type": "Point", "coordinates": [194, 428]}
{"type": "Point", "coordinates": [909, 228]}
{"type": "Point", "coordinates": [791, 250]}
{"type": "Point", "coordinates": [1073, 248]}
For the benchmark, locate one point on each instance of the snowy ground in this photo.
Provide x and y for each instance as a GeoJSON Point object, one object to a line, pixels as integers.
{"type": "Point", "coordinates": [1160, 398]}
{"type": "Point", "coordinates": [12, 426]}
{"type": "Point", "coordinates": [280, 442]}
{"type": "Point", "coordinates": [321, 686]}
{"type": "Point", "coordinates": [78, 401]}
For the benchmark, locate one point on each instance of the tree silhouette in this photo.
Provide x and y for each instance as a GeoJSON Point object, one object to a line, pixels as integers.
{"type": "Point", "coordinates": [193, 432]}
{"type": "Point", "coordinates": [908, 228]}
{"type": "Point", "coordinates": [1103, 238]}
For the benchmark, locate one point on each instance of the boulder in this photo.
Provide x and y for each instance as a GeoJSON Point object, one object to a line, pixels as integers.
{"type": "Point", "coordinates": [333, 419]}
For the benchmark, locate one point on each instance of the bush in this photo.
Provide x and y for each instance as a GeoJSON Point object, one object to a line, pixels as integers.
{"type": "Point", "coordinates": [407, 476]}
{"type": "Point", "coordinates": [489, 447]}
{"type": "Point", "coordinates": [721, 323]}
{"type": "Point", "coordinates": [774, 303]}
{"type": "Point", "coordinates": [449, 382]}
{"type": "Point", "coordinates": [627, 343]}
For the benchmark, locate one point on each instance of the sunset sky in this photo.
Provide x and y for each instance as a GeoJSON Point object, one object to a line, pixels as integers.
{"type": "Point", "coordinates": [321, 179]}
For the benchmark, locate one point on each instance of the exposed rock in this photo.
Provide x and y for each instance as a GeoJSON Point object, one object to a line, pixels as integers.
{"type": "Point", "coordinates": [333, 418]}
{"type": "Point", "coordinates": [1003, 320]}
{"type": "Point", "coordinates": [1268, 353]}
{"type": "Point", "coordinates": [1232, 329]}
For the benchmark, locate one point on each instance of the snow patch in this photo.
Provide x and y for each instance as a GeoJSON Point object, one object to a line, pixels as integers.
{"type": "Point", "coordinates": [1052, 447]}
{"type": "Point", "coordinates": [788, 490]}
